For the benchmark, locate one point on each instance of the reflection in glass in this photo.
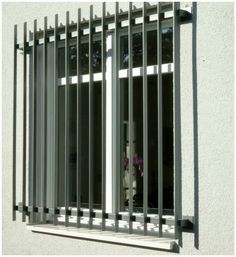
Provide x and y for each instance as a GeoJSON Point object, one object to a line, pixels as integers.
{"type": "Point", "coordinates": [96, 59]}
{"type": "Point", "coordinates": [167, 48]}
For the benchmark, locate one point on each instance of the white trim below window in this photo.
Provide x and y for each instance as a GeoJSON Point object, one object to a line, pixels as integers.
{"type": "Point", "coordinates": [106, 236]}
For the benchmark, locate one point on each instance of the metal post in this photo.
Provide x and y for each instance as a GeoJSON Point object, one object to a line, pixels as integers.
{"type": "Point", "coordinates": [34, 130]}
{"type": "Point", "coordinates": [91, 117]}
{"type": "Point", "coordinates": [24, 122]}
{"type": "Point", "coordinates": [14, 125]}
{"type": "Point", "coordinates": [145, 122]}
{"type": "Point", "coordinates": [67, 112]}
{"type": "Point", "coordinates": [55, 94]}
{"type": "Point", "coordinates": [79, 112]}
{"type": "Point", "coordinates": [131, 139]}
{"type": "Point", "coordinates": [44, 181]}
{"type": "Point", "coordinates": [176, 114]}
{"type": "Point", "coordinates": [116, 130]}
{"type": "Point", "coordinates": [103, 38]}
{"type": "Point", "coordinates": [160, 120]}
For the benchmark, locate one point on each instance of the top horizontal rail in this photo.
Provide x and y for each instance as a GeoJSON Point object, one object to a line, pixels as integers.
{"type": "Point", "coordinates": [184, 14]}
{"type": "Point", "coordinates": [111, 18]}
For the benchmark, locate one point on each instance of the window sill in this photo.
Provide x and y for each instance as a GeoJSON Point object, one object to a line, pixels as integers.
{"type": "Point", "coordinates": [106, 236]}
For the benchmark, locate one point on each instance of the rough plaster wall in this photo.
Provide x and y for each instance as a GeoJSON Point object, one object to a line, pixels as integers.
{"type": "Point", "coordinates": [212, 97]}
{"type": "Point", "coordinates": [215, 133]}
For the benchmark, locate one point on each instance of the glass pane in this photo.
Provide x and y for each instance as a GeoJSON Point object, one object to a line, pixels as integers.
{"type": "Point", "coordinates": [137, 145]}
{"type": "Point", "coordinates": [84, 59]}
{"type": "Point", "coordinates": [167, 48]}
{"type": "Point", "coordinates": [96, 57]}
{"type": "Point", "coordinates": [84, 142]}
{"type": "Point", "coordinates": [167, 145]}
{"type": "Point", "coordinates": [84, 145]}
{"type": "Point", "coordinates": [167, 45]}
{"type": "Point", "coordinates": [61, 145]}
{"type": "Point", "coordinates": [152, 145]}
{"type": "Point", "coordinates": [61, 62]}
{"type": "Point", "coordinates": [168, 168]}
{"type": "Point", "coordinates": [73, 60]}
{"type": "Point", "coordinates": [137, 51]}
{"type": "Point", "coordinates": [97, 146]}
{"type": "Point", "coordinates": [72, 145]}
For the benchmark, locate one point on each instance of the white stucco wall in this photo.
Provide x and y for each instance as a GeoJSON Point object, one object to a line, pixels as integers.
{"type": "Point", "coordinates": [209, 97]}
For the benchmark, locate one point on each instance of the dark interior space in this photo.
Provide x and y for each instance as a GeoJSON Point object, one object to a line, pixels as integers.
{"type": "Point", "coordinates": [152, 144]}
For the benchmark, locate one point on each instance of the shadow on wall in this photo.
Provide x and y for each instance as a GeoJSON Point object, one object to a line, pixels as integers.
{"type": "Point", "coordinates": [195, 127]}
{"type": "Point", "coordinates": [195, 134]}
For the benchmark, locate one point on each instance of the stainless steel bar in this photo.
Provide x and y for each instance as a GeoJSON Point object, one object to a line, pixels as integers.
{"type": "Point", "coordinates": [79, 136]}
{"type": "Point", "coordinates": [34, 123]}
{"type": "Point", "coordinates": [131, 135]}
{"type": "Point", "coordinates": [116, 130]}
{"type": "Point", "coordinates": [24, 121]}
{"type": "Point", "coordinates": [14, 125]}
{"type": "Point", "coordinates": [91, 117]}
{"type": "Point", "coordinates": [44, 182]}
{"type": "Point", "coordinates": [166, 7]}
{"type": "Point", "coordinates": [55, 88]}
{"type": "Point", "coordinates": [67, 112]}
{"type": "Point", "coordinates": [145, 122]}
{"type": "Point", "coordinates": [176, 117]}
{"type": "Point", "coordinates": [103, 38]}
{"type": "Point", "coordinates": [160, 120]}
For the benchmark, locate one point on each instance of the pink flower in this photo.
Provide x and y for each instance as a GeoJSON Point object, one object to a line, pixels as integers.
{"type": "Point", "coordinates": [137, 162]}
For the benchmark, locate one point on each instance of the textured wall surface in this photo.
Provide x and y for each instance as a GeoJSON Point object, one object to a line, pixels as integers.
{"type": "Point", "coordinates": [206, 135]}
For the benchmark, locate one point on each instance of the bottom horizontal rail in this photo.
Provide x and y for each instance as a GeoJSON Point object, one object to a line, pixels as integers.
{"type": "Point", "coordinates": [84, 212]}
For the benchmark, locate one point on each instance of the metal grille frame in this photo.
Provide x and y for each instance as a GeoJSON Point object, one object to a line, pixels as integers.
{"type": "Point", "coordinates": [163, 14]}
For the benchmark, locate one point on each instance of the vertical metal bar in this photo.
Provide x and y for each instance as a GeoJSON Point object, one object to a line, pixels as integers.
{"type": "Point", "coordinates": [131, 139]}
{"type": "Point", "coordinates": [110, 187]}
{"type": "Point", "coordinates": [91, 117]}
{"type": "Point", "coordinates": [78, 168]}
{"type": "Point", "coordinates": [67, 120]}
{"type": "Point", "coordinates": [55, 88]}
{"type": "Point", "coordinates": [160, 120]}
{"type": "Point", "coordinates": [103, 116]}
{"type": "Point", "coordinates": [176, 114]}
{"type": "Point", "coordinates": [14, 125]}
{"type": "Point", "coordinates": [116, 141]}
{"type": "Point", "coordinates": [34, 123]}
{"type": "Point", "coordinates": [145, 122]}
{"type": "Point", "coordinates": [24, 122]}
{"type": "Point", "coordinates": [44, 182]}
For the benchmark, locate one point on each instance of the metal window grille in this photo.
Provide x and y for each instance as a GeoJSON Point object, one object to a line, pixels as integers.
{"type": "Point", "coordinates": [108, 29]}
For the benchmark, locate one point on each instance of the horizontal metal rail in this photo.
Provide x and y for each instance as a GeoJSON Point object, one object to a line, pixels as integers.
{"type": "Point", "coordinates": [109, 19]}
{"type": "Point", "coordinates": [183, 14]}
{"type": "Point", "coordinates": [124, 216]}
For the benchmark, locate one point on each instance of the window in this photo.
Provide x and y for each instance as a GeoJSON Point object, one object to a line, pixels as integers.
{"type": "Point", "coordinates": [101, 123]}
